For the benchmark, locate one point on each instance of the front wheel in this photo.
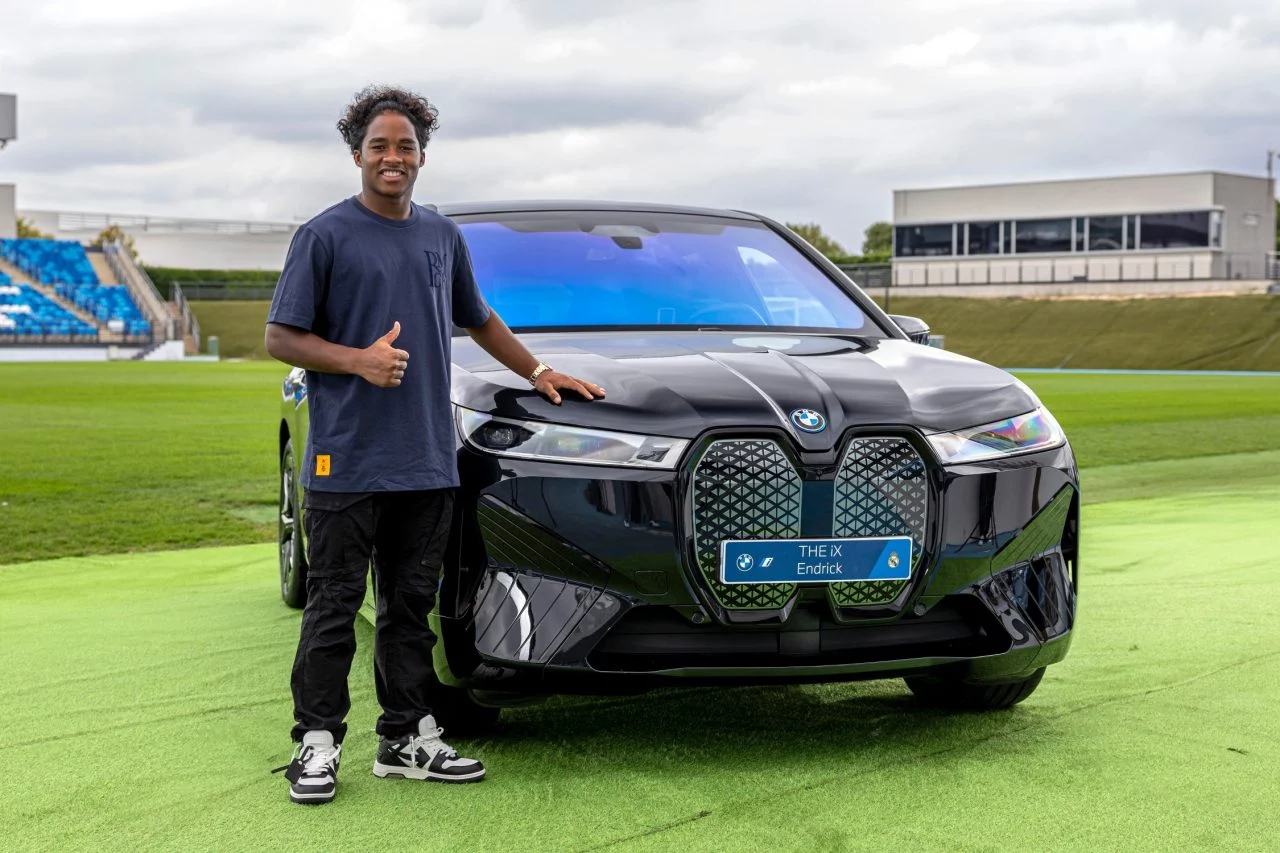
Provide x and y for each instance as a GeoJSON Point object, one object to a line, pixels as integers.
{"type": "Point", "coordinates": [959, 695]}
{"type": "Point", "coordinates": [293, 563]}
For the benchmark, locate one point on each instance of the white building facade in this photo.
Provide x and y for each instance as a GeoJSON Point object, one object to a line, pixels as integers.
{"type": "Point", "coordinates": [1179, 227]}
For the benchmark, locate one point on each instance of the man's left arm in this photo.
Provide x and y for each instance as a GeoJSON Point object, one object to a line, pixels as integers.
{"type": "Point", "coordinates": [496, 339]}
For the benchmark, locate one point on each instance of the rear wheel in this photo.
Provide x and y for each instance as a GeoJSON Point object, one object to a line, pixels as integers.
{"type": "Point", "coordinates": [293, 564]}
{"type": "Point", "coordinates": [959, 695]}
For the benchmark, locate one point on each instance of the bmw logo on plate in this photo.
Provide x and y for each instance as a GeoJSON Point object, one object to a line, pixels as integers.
{"type": "Point", "coordinates": [745, 562]}
{"type": "Point", "coordinates": [808, 420]}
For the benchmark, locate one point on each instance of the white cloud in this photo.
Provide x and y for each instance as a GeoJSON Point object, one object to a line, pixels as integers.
{"type": "Point", "coordinates": [813, 110]}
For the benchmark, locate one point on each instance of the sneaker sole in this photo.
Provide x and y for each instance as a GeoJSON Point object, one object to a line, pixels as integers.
{"type": "Point", "coordinates": [311, 799]}
{"type": "Point", "coordinates": [387, 771]}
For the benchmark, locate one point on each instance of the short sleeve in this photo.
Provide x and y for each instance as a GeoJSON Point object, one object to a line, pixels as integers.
{"type": "Point", "coordinates": [303, 282]}
{"type": "Point", "coordinates": [469, 307]}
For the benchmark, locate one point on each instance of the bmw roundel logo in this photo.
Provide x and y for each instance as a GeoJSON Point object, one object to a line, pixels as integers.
{"type": "Point", "coordinates": [745, 562]}
{"type": "Point", "coordinates": [808, 420]}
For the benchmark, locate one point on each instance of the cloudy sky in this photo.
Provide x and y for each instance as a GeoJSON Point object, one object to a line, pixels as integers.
{"type": "Point", "coordinates": [809, 110]}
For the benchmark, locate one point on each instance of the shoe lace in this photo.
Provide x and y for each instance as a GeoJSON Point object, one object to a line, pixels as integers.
{"type": "Point", "coordinates": [430, 742]}
{"type": "Point", "coordinates": [319, 760]}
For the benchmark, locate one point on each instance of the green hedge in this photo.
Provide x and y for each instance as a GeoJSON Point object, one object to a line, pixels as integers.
{"type": "Point", "coordinates": [163, 276]}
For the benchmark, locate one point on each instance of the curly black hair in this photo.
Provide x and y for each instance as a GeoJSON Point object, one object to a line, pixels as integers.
{"type": "Point", "coordinates": [373, 101]}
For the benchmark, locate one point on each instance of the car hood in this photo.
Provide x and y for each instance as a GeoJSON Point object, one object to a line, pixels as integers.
{"type": "Point", "coordinates": [681, 384]}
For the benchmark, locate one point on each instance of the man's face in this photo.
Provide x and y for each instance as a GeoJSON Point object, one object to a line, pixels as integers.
{"type": "Point", "coordinates": [389, 158]}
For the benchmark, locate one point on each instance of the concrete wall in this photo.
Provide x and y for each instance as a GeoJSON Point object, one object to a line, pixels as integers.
{"type": "Point", "coordinates": [1249, 207]}
{"type": "Point", "coordinates": [1101, 196]}
{"type": "Point", "coordinates": [1167, 266]}
{"type": "Point", "coordinates": [172, 247]}
{"type": "Point", "coordinates": [8, 216]}
{"type": "Point", "coordinates": [52, 352]}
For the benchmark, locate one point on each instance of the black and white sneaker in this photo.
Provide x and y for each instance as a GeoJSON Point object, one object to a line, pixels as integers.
{"type": "Point", "coordinates": [425, 756]}
{"type": "Point", "coordinates": [313, 772]}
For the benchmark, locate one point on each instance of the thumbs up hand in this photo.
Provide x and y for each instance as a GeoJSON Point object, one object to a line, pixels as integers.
{"type": "Point", "coordinates": [381, 363]}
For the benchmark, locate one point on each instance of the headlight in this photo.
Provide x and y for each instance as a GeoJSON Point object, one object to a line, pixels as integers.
{"type": "Point", "coordinates": [559, 443]}
{"type": "Point", "coordinates": [1036, 430]}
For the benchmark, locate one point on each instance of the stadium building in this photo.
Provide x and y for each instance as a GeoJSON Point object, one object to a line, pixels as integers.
{"type": "Point", "coordinates": [1174, 227]}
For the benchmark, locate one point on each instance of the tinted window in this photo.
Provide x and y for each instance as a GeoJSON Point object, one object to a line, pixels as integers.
{"type": "Point", "coordinates": [923, 240]}
{"type": "Point", "coordinates": [1175, 230]}
{"type": "Point", "coordinates": [1106, 233]}
{"type": "Point", "coordinates": [592, 269]}
{"type": "Point", "coordinates": [984, 238]}
{"type": "Point", "coordinates": [1043, 235]}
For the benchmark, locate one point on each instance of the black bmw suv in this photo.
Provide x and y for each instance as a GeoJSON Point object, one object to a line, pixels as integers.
{"type": "Point", "coordinates": [785, 484]}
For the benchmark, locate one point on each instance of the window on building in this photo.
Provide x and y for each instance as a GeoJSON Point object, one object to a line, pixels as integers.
{"type": "Point", "coordinates": [924, 240]}
{"type": "Point", "coordinates": [1078, 230]}
{"type": "Point", "coordinates": [1043, 235]}
{"type": "Point", "coordinates": [1175, 230]}
{"type": "Point", "coordinates": [1106, 233]}
{"type": "Point", "coordinates": [1131, 232]}
{"type": "Point", "coordinates": [984, 238]}
{"type": "Point", "coordinates": [1006, 237]}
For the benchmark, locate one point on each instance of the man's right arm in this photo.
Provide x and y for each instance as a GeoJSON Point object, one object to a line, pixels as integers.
{"type": "Point", "coordinates": [380, 363]}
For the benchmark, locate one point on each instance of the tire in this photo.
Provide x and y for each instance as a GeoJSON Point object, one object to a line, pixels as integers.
{"type": "Point", "coordinates": [293, 563]}
{"type": "Point", "coordinates": [458, 714]}
{"type": "Point", "coordinates": [959, 695]}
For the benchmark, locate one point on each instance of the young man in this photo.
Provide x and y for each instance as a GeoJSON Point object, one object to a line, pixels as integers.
{"type": "Point", "coordinates": [367, 284]}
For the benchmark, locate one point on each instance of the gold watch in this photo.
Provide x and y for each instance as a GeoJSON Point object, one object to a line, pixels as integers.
{"type": "Point", "coordinates": [538, 371]}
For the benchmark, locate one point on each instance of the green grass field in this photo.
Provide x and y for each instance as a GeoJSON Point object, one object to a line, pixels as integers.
{"type": "Point", "coordinates": [146, 695]}
{"type": "Point", "coordinates": [1190, 333]}
{"type": "Point", "coordinates": [120, 457]}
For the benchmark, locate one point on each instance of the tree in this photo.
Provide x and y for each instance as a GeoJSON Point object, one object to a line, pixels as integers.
{"type": "Point", "coordinates": [879, 240]}
{"type": "Point", "coordinates": [115, 233]}
{"type": "Point", "coordinates": [813, 235]}
{"type": "Point", "coordinates": [27, 231]}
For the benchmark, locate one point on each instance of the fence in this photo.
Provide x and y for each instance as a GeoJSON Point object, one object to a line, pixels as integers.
{"type": "Point", "coordinates": [1126, 267]}
{"type": "Point", "coordinates": [205, 291]}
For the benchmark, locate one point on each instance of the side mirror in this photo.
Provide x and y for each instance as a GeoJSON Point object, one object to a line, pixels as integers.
{"type": "Point", "coordinates": [915, 328]}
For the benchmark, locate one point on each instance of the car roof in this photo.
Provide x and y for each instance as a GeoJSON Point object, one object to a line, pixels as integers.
{"type": "Point", "coordinates": [567, 205]}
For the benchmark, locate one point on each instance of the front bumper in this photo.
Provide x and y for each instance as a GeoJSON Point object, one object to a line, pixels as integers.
{"type": "Point", "coordinates": [582, 579]}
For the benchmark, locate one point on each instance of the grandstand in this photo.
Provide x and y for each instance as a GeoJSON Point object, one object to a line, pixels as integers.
{"type": "Point", "coordinates": [50, 292]}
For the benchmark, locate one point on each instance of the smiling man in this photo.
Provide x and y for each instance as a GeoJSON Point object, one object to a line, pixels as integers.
{"type": "Point", "coordinates": [367, 285]}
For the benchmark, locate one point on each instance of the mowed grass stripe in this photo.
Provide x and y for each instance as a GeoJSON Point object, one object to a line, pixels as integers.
{"type": "Point", "coordinates": [164, 677]}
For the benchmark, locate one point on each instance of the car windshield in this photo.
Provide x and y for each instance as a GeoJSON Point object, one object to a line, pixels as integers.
{"type": "Point", "coordinates": [596, 269]}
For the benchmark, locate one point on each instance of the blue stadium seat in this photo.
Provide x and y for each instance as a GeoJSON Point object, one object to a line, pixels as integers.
{"type": "Point", "coordinates": [65, 266]}
{"type": "Point", "coordinates": [25, 311]}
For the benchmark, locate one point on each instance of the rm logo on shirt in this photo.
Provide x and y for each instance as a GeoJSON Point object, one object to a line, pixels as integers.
{"type": "Point", "coordinates": [322, 465]}
{"type": "Point", "coordinates": [435, 265]}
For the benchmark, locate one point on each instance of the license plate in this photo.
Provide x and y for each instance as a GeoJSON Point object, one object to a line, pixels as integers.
{"type": "Point", "coordinates": [815, 560]}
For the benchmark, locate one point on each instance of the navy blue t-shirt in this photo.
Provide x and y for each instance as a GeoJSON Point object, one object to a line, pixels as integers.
{"type": "Point", "coordinates": [349, 276]}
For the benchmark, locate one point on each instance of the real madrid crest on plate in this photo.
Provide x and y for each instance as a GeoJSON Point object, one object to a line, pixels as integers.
{"type": "Point", "coordinates": [808, 420]}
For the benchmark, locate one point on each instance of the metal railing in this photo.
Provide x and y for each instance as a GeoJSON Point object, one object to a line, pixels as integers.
{"type": "Point", "coordinates": [1006, 270]}
{"type": "Point", "coordinates": [69, 222]}
{"type": "Point", "coordinates": [189, 321]}
{"type": "Point", "coordinates": [144, 291]}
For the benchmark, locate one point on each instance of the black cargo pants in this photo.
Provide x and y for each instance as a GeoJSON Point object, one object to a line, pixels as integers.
{"type": "Point", "coordinates": [405, 535]}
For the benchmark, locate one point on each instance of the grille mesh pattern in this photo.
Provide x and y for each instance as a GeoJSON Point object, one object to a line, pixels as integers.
{"type": "Point", "coordinates": [744, 489]}
{"type": "Point", "coordinates": [882, 489]}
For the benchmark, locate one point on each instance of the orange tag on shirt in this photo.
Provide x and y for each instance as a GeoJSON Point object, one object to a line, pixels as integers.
{"type": "Point", "coordinates": [322, 465]}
